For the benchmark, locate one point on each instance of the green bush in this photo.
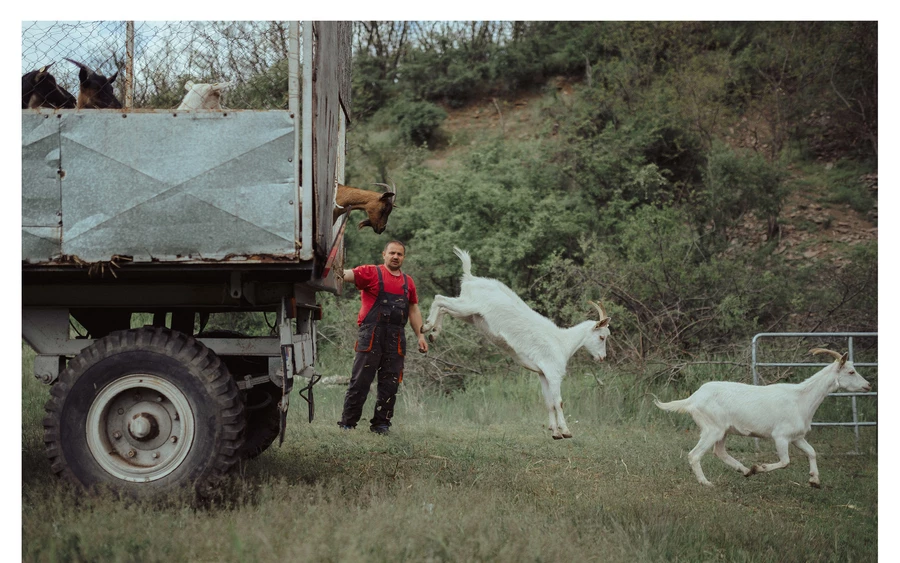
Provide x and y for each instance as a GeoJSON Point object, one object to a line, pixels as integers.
{"type": "Point", "coordinates": [417, 122]}
{"type": "Point", "coordinates": [737, 183]}
{"type": "Point", "coordinates": [845, 185]}
{"type": "Point", "coordinates": [667, 297]}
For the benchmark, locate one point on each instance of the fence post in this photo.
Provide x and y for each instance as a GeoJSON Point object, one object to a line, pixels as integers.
{"type": "Point", "coordinates": [129, 64]}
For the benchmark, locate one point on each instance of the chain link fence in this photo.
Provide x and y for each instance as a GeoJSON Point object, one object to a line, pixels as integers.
{"type": "Point", "coordinates": [253, 55]}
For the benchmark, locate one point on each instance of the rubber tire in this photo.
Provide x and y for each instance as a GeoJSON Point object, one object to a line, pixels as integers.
{"type": "Point", "coordinates": [261, 401]}
{"type": "Point", "coordinates": [178, 363]}
{"type": "Point", "coordinates": [263, 420]}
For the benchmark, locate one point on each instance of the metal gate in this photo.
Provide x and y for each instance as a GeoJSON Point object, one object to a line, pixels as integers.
{"type": "Point", "coordinates": [849, 336]}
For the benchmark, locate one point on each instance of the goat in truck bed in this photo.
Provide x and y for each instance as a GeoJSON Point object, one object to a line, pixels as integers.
{"type": "Point", "coordinates": [377, 205]}
{"type": "Point", "coordinates": [40, 90]}
{"type": "Point", "coordinates": [96, 91]}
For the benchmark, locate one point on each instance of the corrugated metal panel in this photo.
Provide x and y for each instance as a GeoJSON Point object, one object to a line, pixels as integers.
{"type": "Point", "coordinates": [174, 186]}
{"type": "Point", "coordinates": [41, 201]}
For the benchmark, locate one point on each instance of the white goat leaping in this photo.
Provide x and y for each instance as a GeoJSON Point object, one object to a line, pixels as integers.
{"type": "Point", "coordinates": [782, 412]}
{"type": "Point", "coordinates": [531, 339]}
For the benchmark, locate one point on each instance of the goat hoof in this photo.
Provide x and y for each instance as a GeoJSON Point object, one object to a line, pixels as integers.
{"type": "Point", "coordinates": [566, 435]}
{"type": "Point", "coordinates": [754, 470]}
{"type": "Point", "coordinates": [431, 338]}
{"type": "Point", "coordinates": [815, 485]}
{"type": "Point", "coordinates": [557, 437]}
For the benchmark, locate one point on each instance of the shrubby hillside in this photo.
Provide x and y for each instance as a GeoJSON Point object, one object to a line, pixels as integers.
{"type": "Point", "coordinates": [706, 181]}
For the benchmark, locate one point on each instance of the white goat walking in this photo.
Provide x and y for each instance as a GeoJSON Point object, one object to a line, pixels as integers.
{"type": "Point", "coordinates": [782, 412]}
{"type": "Point", "coordinates": [531, 339]}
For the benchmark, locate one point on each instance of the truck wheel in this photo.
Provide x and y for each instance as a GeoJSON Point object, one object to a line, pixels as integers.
{"type": "Point", "coordinates": [260, 401]}
{"type": "Point", "coordinates": [144, 411]}
{"type": "Point", "coordinates": [263, 420]}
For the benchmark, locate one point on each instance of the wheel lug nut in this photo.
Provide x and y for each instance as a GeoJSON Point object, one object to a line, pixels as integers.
{"type": "Point", "coordinates": [117, 435]}
{"type": "Point", "coordinates": [155, 455]}
{"type": "Point", "coordinates": [131, 453]}
{"type": "Point", "coordinates": [174, 439]}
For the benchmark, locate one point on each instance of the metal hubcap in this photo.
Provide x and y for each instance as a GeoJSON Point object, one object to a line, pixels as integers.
{"type": "Point", "coordinates": [140, 428]}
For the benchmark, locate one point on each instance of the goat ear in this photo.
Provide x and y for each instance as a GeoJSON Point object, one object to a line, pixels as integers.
{"type": "Point", "coordinates": [601, 324]}
{"type": "Point", "coordinates": [844, 358]}
{"type": "Point", "coordinates": [365, 223]}
{"type": "Point", "coordinates": [387, 195]}
{"type": "Point", "coordinates": [82, 75]}
{"type": "Point", "coordinates": [188, 85]}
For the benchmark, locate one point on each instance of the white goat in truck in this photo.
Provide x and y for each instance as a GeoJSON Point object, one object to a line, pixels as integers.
{"type": "Point", "coordinates": [782, 412]}
{"type": "Point", "coordinates": [203, 96]}
{"type": "Point", "coordinates": [531, 339]}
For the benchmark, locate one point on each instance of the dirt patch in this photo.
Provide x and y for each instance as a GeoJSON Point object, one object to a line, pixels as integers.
{"type": "Point", "coordinates": [514, 119]}
{"type": "Point", "coordinates": [811, 229]}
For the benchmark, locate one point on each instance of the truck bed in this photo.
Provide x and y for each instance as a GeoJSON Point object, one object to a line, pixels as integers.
{"type": "Point", "coordinates": [161, 188]}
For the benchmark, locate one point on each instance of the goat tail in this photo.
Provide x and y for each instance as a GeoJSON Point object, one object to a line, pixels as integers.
{"type": "Point", "coordinates": [674, 406]}
{"type": "Point", "coordinates": [466, 262]}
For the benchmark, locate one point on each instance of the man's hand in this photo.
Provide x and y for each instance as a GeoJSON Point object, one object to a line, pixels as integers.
{"type": "Point", "coordinates": [423, 344]}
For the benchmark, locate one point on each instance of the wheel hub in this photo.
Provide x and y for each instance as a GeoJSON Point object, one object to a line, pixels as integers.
{"type": "Point", "coordinates": [143, 427]}
{"type": "Point", "coordinates": [140, 428]}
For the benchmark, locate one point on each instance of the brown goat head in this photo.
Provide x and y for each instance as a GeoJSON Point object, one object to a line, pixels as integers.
{"type": "Point", "coordinates": [377, 205]}
{"type": "Point", "coordinates": [96, 91]}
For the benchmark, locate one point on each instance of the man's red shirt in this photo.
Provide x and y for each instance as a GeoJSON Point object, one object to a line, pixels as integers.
{"type": "Point", "coordinates": [366, 280]}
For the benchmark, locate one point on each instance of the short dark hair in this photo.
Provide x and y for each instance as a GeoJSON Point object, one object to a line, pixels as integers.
{"type": "Point", "coordinates": [400, 242]}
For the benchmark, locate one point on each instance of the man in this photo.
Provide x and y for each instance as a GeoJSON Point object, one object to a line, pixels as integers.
{"type": "Point", "coordinates": [389, 299]}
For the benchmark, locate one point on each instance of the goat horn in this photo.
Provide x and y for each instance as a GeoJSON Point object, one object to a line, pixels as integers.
{"type": "Point", "coordinates": [836, 355]}
{"type": "Point", "coordinates": [79, 65]}
{"type": "Point", "coordinates": [392, 188]}
{"type": "Point", "coordinates": [599, 309]}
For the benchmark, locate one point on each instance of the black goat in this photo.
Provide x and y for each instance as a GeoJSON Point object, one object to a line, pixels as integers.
{"type": "Point", "coordinates": [96, 91]}
{"type": "Point", "coordinates": [40, 90]}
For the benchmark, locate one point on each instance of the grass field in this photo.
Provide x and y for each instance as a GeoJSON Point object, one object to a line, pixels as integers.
{"type": "Point", "coordinates": [474, 476]}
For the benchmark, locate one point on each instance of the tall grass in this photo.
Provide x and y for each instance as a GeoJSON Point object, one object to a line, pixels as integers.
{"type": "Point", "coordinates": [474, 476]}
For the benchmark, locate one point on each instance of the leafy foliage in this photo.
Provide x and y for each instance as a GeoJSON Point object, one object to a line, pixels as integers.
{"type": "Point", "coordinates": [639, 182]}
{"type": "Point", "coordinates": [416, 123]}
{"type": "Point", "coordinates": [735, 185]}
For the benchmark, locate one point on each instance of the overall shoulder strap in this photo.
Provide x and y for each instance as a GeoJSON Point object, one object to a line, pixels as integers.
{"type": "Point", "coordinates": [380, 278]}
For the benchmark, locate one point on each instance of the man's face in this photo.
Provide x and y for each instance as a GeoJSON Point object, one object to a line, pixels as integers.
{"type": "Point", "coordinates": [393, 257]}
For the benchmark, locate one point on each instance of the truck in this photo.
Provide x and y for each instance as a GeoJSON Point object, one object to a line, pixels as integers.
{"type": "Point", "coordinates": [164, 218]}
